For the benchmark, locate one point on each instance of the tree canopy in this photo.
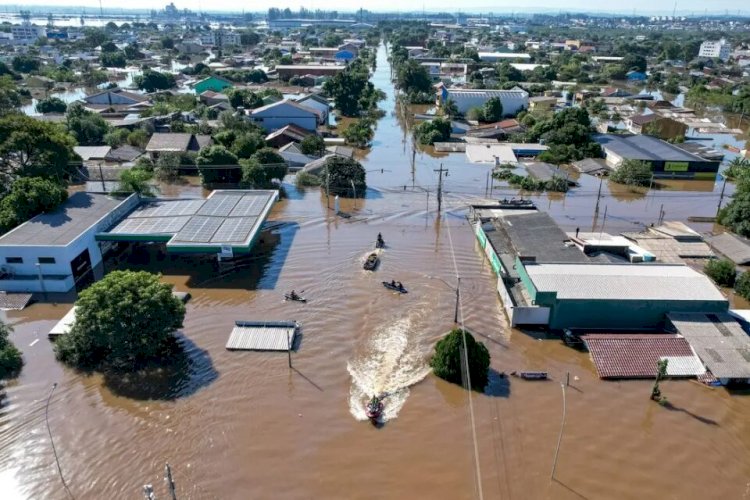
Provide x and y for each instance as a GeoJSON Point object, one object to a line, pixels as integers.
{"type": "Point", "coordinates": [30, 148]}
{"type": "Point", "coordinates": [29, 196]}
{"type": "Point", "coordinates": [125, 321]}
{"type": "Point", "coordinates": [312, 145]}
{"type": "Point", "coordinates": [136, 180]}
{"type": "Point", "coordinates": [217, 164]}
{"type": "Point", "coordinates": [51, 105]}
{"type": "Point", "coordinates": [352, 91]}
{"type": "Point", "coordinates": [340, 172]}
{"type": "Point", "coordinates": [87, 127]}
{"type": "Point", "coordinates": [151, 81]}
{"type": "Point", "coordinates": [430, 132]}
{"type": "Point", "coordinates": [11, 360]}
{"type": "Point", "coordinates": [722, 271]}
{"type": "Point", "coordinates": [446, 362]}
{"type": "Point", "coordinates": [736, 215]}
{"type": "Point", "coordinates": [633, 173]}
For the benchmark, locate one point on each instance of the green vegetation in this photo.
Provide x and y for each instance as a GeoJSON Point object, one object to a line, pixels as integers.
{"type": "Point", "coordinates": [124, 322]}
{"type": "Point", "coordinates": [661, 373]}
{"type": "Point", "coordinates": [115, 59]}
{"type": "Point", "coordinates": [29, 196]}
{"type": "Point", "coordinates": [136, 180]}
{"type": "Point", "coordinates": [313, 145]}
{"type": "Point", "coordinates": [568, 135]}
{"type": "Point", "coordinates": [633, 173]}
{"type": "Point", "coordinates": [352, 91]}
{"type": "Point", "coordinates": [306, 179]}
{"type": "Point", "coordinates": [723, 272]}
{"type": "Point", "coordinates": [244, 98]}
{"type": "Point", "coordinates": [360, 133]}
{"type": "Point", "coordinates": [88, 128]}
{"type": "Point", "coordinates": [414, 81]}
{"type": "Point", "coordinates": [218, 165]}
{"type": "Point", "coordinates": [728, 98]}
{"type": "Point", "coordinates": [11, 360]}
{"type": "Point", "coordinates": [737, 168]}
{"type": "Point", "coordinates": [736, 215]}
{"type": "Point", "coordinates": [527, 183]}
{"type": "Point", "coordinates": [430, 132]}
{"type": "Point", "coordinates": [492, 111]}
{"type": "Point", "coordinates": [33, 148]}
{"type": "Point", "coordinates": [257, 174]}
{"type": "Point", "coordinates": [742, 285]}
{"type": "Point", "coordinates": [341, 173]}
{"type": "Point", "coordinates": [151, 81]}
{"type": "Point", "coordinates": [51, 105]}
{"type": "Point", "coordinates": [446, 363]}
{"type": "Point", "coordinates": [25, 64]}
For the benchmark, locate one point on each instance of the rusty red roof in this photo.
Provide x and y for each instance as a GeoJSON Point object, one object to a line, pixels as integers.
{"type": "Point", "coordinates": [633, 355]}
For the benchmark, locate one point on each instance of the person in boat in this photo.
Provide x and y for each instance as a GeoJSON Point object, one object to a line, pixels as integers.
{"type": "Point", "coordinates": [380, 240]}
{"type": "Point", "coordinates": [399, 285]}
{"type": "Point", "coordinates": [393, 283]}
{"type": "Point", "coordinates": [293, 295]}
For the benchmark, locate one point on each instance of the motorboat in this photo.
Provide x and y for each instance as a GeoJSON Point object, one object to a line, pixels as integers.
{"type": "Point", "coordinates": [398, 287]}
{"type": "Point", "coordinates": [372, 262]}
{"type": "Point", "coordinates": [374, 408]}
{"type": "Point", "coordinates": [295, 297]}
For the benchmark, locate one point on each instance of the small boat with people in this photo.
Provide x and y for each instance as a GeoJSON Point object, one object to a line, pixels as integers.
{"type": "Point", "coordinates": [294, 296]}
{"type": "Point", "coordinates": [380, 242]}
{"type": "Point", "coordinates": [396, 286]}
{"type": "Point", "coordinates": [530, 375]}
{"type": "Point", "coordinates": [374, 407]}
{"type": "Point", "coordinates": [371, 262]}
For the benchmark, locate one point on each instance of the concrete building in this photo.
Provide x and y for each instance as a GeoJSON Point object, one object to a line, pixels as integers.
{"type": "Point", "coordinates": [27, 33]}
{"type": "Point", "coordinates": [57, 251]}
{"type": "Point", "coordinates": [618, 296]}
{"type": "Point", "coordinates": [667, 160]}
{"type": "Point", "coordinates": [656, 125]}
{"type": "Point", "coordinates": [220, 37]}
{"type": "Point", "coordinates": [513, 100]}
{"type": "Point", "coordinates": [715, 49]}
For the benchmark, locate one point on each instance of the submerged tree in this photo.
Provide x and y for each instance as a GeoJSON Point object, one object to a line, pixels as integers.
{"type": "Point", "coordinates": [661, 373]}
{"type": "Point", "coordinates": [344, 176]}
{"type": "Point", "coordinates": [124, 322]}
{"type": "Point", "coordinates": [447, 362]}
{"type": "Point", "coordinates": [10, 357]}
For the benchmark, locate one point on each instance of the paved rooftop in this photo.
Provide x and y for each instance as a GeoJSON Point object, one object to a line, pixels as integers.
{"type": "Point", "coordinates": [644, 147]}
{"type": "Point", "coordinates": [80, 212]}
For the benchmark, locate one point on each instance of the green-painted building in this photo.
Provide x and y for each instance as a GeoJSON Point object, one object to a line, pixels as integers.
{"type": "Point", "coordinates": [617, 296]}
{"type": "Point", "coordinates": [213, 83]}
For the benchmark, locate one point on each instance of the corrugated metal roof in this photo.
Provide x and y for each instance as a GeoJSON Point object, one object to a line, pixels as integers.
{"type": "Point", "coordinates": [719, 341]}
{"type": "Point", "coordinates": [733, 247]}
{"type": "Point", "coordinates": [623, 282]}
{"type": "Point", "coordinates": [262, 336]}
{"type": "Point", "coordinates": [636, 355]}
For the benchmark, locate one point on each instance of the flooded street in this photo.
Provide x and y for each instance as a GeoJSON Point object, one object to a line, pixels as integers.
{"type": "Point", "coordinates": [238, 425]}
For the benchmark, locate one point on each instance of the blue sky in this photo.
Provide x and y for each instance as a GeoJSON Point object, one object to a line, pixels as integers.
{"type": "Point", "coordinates": [684, 7]}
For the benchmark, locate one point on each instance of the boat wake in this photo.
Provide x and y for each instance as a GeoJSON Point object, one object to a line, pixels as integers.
{"type": "Point", "coordinates": [390, 363]}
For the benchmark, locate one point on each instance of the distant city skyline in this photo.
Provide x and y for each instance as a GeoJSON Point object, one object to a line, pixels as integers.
{"type": "Point", "coordinates": [640, 7]}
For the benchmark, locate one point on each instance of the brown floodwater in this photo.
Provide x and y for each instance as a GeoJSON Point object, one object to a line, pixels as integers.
{"type": "Point", "coordinates": [237, 425]}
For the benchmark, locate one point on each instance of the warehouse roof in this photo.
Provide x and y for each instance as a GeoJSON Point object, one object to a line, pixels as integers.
{"type": "Point", "coordinates": [64, 225]}
{"type": "Point", "coordinates": [643, 147]}
{"type": "Point", "coordinates": [719, 341]}
{"type": "Point", "coordinates": [623, 282]}
{"type": "Point", "coordinates": [471, 93]}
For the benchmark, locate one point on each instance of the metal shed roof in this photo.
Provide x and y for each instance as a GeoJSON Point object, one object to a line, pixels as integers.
{"type": "Point", "coordinates": [644, 147]}
{"type": "Point", "coordinates": [263, 336]}
{"type": "Point", "coordinates": [733, 247]}
{"type": "Point", "coordinates": [719, 341]}
{"type": "Point", "coordinates": [623, 282]}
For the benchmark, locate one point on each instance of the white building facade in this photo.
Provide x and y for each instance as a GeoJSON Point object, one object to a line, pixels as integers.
{"type": "Point", "coordinates": [513, 100]}
{"type": "Point", "coordinates": [715, 49]}
{"type": "Point", "coordinates": [225, 38]}
{"type": "Point", "coordinates": [27, 33]}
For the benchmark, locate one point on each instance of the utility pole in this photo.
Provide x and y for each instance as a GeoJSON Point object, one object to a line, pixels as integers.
{"type": "Point", "coordinates": [599, 194]}
{"type": "Point", "coordinates": [458, 296]}
{"type": "Point", "coordinates": [101, 176]}
{"type": "Point", "coordinates": [721, 198]}
{"type": "Point", "coordinates": [440, 185]}
{"type": "Point", "coordinates": [170, 481]}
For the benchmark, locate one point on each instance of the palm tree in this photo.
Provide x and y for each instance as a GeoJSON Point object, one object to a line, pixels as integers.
{"type": "Point", "coordinates": [450, 109]}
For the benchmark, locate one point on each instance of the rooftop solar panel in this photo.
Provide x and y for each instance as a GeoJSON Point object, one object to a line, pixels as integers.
{"type": "Point", "coordinates": [218, 206]}
{"type": "Point", "coordinates": [235, 230]}
{"type": "Point", "coordinates": [199, 229]}
{"type": "Point", "coordinates": [249, 205]}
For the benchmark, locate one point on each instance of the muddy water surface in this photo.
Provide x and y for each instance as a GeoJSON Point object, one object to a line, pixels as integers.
{"type": "Point", "coordinates": [237, 425]}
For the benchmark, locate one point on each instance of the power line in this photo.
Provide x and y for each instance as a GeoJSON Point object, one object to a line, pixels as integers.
{"type": "Point", "coordinates": [467, 375]}
{"type": "Point", "coordinates": [52, 441]}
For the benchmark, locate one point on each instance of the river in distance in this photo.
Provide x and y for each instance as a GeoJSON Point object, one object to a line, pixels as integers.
{"type": "Point", "coordinates": [237, 425]}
